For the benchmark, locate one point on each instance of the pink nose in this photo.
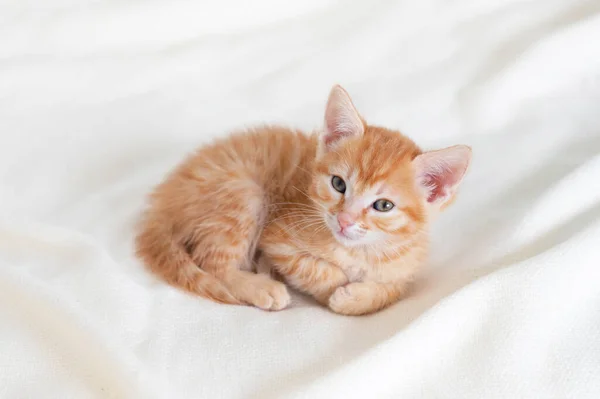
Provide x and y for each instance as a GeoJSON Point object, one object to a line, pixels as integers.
{"type": "Point", "coordinates": [345, 220]}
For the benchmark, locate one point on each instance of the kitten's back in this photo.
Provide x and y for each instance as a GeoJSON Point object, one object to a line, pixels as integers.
{"type": "Point", "coordinates": [202, 224]}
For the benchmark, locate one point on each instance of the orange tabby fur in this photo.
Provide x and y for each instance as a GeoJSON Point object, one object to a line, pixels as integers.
{"type": "Point", "coordinates": [266, 196]}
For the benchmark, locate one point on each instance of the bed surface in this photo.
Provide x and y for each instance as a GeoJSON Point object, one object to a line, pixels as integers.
{"type": "Point", "coordinates": [99, 99]}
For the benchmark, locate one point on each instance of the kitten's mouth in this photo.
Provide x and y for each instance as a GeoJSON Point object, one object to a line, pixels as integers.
{"type": "Point", "coordinates": [344, 234]}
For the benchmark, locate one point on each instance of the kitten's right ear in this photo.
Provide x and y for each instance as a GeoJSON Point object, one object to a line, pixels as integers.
{"type": "Point", "coordinates": [342, 120]}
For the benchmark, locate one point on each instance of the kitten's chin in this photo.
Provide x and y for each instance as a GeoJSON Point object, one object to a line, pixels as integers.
{"type": "Point", "coordinates": [345, 240]}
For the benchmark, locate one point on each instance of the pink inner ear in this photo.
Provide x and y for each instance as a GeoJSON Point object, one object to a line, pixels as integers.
{"type": "Point", "coordinates": [435, 185]}
{"type": "Point", "coordinates": [439, 172]}
{"type": "Point", "coordinates": [334, 137]}
{"type": "Point", "coordinates": [341, 118]}
{"type": "Point", "coordinates": [438, 185]}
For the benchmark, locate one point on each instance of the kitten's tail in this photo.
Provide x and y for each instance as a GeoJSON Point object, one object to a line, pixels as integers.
{"type": "Point", "coordinates": [169, 260]}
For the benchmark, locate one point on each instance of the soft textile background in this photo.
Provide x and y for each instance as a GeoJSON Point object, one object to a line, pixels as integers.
{"type": "Point", "coordinates": [100, 98]}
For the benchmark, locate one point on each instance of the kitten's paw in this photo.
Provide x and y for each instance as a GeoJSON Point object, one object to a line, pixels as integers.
{"type": "Point", "coordinates": [270, 295]}
{"type": "Point", "coordinates": [351, 299]}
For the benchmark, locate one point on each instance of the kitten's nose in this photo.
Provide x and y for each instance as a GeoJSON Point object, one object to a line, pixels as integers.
{"type": "Point", "coordinates": [345, 220]}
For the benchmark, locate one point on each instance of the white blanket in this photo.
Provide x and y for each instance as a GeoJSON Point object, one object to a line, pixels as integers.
{"type": "Point", "coordinates": [99, 99]}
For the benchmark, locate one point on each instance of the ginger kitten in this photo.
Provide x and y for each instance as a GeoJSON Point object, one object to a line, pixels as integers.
{"type": "Point", "coordinates": [341, 214]}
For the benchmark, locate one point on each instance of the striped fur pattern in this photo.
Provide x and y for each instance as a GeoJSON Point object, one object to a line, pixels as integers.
{"type": "Point", "coordinates": [303, 206]}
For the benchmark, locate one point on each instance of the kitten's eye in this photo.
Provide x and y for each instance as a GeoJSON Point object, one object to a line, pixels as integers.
{"type": "Point", "coordinates": [383, 205]}
{"type": "Point", "coordinates": [339, 184]}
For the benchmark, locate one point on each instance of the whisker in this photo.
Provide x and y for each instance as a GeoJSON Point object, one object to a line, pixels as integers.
{"type": "Point", "coordinates": [304, 169]}
{"type": "Point", "coordinates": [307, 196]}
{"type": "Point", "coordinates": [291, 203]}
{"type": "Point", "coordinates": [307, 212]}
{"type": "Point", "coordinates": [284, 217]}
{"type": "Point", "coordinates": [299, 209]}
{"type": "Point", "coordinates": [318, 230]}
{"type": "Point", "coordinates": [302, 225]}
{"type": "Point", "coordinates": [300, 213]}
{"type": "Point", "coordinates": [293, 206]}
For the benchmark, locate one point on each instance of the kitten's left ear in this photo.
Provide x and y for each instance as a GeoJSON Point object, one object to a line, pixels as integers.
{"type": "Point", "coordinates": [342, 120]}
{"type": "Point", "coordinates": [440, 172]}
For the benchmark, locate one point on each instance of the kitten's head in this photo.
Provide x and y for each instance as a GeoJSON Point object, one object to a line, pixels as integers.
{"type": "Point", "coordinates": [375, 185]}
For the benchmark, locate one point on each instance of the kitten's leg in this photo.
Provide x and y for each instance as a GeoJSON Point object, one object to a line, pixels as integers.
{"type": "Point", "coordinates": [226, 252]}
{"type": "Point", "coordinates": [312, 275]}
{"type": "Point", "coordinates": [366, 297]}
{"type": "Point", "coordinates": [255, 289]}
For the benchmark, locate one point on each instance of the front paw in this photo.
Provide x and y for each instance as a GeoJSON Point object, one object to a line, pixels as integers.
{"type": "Point", "coordinates": [351, 299]}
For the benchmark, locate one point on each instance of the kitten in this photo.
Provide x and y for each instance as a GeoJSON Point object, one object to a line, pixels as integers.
{"type": "Point", "coordinates": [340, 214]}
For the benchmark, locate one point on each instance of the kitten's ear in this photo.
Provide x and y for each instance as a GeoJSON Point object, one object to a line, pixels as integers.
{"type": "Point", "coordinates": [342, 120]}
{"type": "Point", "coordinates": [440, 172]}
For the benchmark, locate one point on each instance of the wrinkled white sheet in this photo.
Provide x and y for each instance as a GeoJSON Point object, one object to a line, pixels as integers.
{"type": "Point", "coordinates": [99, 99]}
